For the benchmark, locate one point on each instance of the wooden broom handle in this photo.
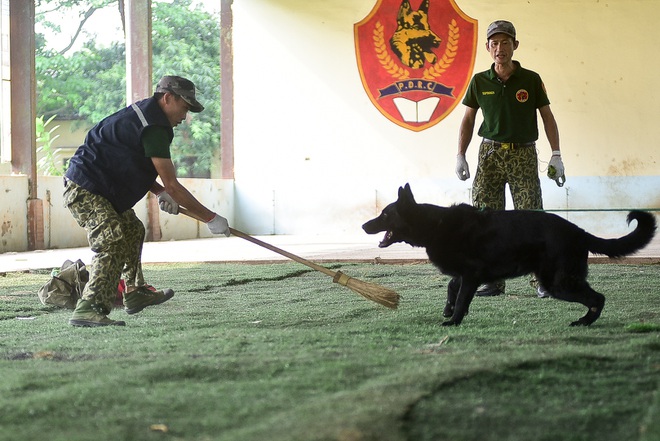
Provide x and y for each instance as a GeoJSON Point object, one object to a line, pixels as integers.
{"type": "Point", "coordinates": [268, 246]}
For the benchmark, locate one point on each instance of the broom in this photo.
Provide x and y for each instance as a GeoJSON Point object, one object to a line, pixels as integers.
{"type": "Point", "coordinates": [375, 293]}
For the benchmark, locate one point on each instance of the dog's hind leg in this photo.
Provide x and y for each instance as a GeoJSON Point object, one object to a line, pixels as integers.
{"type": "Point", "coordinates": [568, 281]}
{"type": "Point", "coordinates": [463, 300]}
{"type": "Point", "coordinates": [452, 292]}
{"type": "Point", "coordinates": [595, 301]}
{"type": "Point", "coordinates": [583, 293]}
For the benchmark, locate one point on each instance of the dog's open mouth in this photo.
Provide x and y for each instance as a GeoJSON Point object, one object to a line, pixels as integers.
{"type": "Point", "coordinates": [387, 240]}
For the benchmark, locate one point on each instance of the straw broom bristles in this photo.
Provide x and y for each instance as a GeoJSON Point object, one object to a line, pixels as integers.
{"type": "Point", "coordinates": [375, 293]}
{"type": "Point", "coordinates": [370, 291]}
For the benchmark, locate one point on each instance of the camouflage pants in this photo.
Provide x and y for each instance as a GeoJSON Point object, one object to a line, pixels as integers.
{"type": "Point", "coordinates": [498, 166]}
{"type": "Point", "coordinates": [116, 240]}
{"type": "Point", "coordinates": [515, 166]}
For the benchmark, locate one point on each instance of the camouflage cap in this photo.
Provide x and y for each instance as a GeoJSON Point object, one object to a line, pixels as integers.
{"type": "Point", "coordinates": [501, 27]}
{"type": "Point", "coordinates": [182, 87]}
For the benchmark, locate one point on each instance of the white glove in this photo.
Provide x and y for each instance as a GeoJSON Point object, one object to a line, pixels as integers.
{"type": "Point", "coordinates": [167, 204]}
{"type": "Point", "coordinates": [462, 168]}
{"type": "Point", "coordinates": [219, 225]}
{"type": "Point", "coordinates": [557, 165]}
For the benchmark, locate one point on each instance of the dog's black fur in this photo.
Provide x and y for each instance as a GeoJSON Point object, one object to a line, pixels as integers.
{"type": "Point", "coordinates": [479, 246]}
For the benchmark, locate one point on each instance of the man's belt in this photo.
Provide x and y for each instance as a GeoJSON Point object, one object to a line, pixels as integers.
{"type": "Point", "coordinates": [508, 145]}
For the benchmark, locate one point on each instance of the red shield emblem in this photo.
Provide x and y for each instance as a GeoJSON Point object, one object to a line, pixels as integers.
{"type": "Point", "coordinates": [415, 62]}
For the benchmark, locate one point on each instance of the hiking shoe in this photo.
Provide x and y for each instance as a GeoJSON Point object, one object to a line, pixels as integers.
{"type": "Point", "coordinates": [489, 290]}
{"type": "Point", "coordinates": [138, 299]}
{"type": "Point", "coordinates": [543, 293]}
{"type": "Point", "coordinates": [84, 315]}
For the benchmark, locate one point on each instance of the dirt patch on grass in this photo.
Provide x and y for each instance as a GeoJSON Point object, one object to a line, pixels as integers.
{"type": "Point", "coordinates": [45, 355]}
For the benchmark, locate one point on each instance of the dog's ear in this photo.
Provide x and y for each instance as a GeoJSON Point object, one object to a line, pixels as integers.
{"type": "Point", "coordinates": [404, 10]}
{"type": "Point", "coordinates": [402, 191]}
{"type": "Point", "coordinates": [406, 196]}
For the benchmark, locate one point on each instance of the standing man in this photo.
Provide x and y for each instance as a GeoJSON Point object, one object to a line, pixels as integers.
{"type": "Point", "coordinates": [115, 167]}
{"type": "Point", "coordinates": [509, 97]}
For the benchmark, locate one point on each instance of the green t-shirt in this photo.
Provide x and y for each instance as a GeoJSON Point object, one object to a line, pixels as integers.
{"type": "Point", "coordinates": [156, 142]}
{"type": "Point", "coordinates": [508, 108]}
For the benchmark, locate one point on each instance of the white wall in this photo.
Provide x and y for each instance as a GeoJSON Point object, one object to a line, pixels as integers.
{"type": "Point", "coordinates": [62, 231]}
{"type": "Point", "coordinates": [314, 155]}
{"type": "Point", "coordinates": [13, 213]}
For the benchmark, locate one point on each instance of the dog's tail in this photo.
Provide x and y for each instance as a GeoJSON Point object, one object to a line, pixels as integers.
{"type": "Point", "coordinates": [630, 243]}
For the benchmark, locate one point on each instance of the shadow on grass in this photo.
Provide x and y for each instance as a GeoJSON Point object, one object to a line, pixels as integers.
{"type": "Point", "coordinates": [571, 398]}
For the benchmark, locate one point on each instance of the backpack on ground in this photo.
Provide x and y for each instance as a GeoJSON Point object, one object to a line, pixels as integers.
{"type": "Point", "coordinates": [65, 286]}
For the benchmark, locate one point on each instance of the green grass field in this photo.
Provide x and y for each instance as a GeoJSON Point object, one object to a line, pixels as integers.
{"type": "Point", "coordinates": [278, 352]}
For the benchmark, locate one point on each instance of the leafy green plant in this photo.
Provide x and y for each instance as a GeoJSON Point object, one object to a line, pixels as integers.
{"type": "Point", "coordinates": [48, 162]}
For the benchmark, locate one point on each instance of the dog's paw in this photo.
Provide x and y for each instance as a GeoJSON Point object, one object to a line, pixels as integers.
{"type": "Point", "coordinates": [450, 323]}
{"type": "Point", "coordinates": [580, 322]}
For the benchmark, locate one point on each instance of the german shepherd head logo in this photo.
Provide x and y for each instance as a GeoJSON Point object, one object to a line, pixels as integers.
{"type": "Point", "coordinates": [414, 41]}
{"type": "Point", "coordinates": [415, 62]}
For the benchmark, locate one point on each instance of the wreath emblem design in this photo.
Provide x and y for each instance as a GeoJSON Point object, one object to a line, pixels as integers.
{"type": "Point", "coordinates": [399, 73]}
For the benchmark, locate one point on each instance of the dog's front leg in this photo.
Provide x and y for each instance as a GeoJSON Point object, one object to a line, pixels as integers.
{"type": "Point", "coordinates": [463, 300]}
{"type": "Point", "coordinates": [452, 292]}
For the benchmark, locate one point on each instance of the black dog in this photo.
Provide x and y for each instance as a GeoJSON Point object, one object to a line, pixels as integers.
{"type": "Point", "coordinates": [479, 246]}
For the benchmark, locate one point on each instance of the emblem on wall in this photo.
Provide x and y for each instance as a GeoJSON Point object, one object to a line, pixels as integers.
{"type": "Point", "coordinates": [415, 63]}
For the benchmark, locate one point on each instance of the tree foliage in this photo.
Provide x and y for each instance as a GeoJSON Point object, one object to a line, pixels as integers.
{"type": "Point", "coordinates": [90, 83]}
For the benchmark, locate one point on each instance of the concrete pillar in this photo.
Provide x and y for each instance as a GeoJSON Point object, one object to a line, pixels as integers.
{"type": "Point", "coordinates": [227, 91]}
{"type": "Point", "coordinates": [138, 50]}
{"type": "Point", "coordinates": [139, 84]}
{"type": "Point", "coordinates": [23, 114]}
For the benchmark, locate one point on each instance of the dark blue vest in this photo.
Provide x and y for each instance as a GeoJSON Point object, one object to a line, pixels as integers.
{"type": "Point", "coordinates": [111, 163]}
